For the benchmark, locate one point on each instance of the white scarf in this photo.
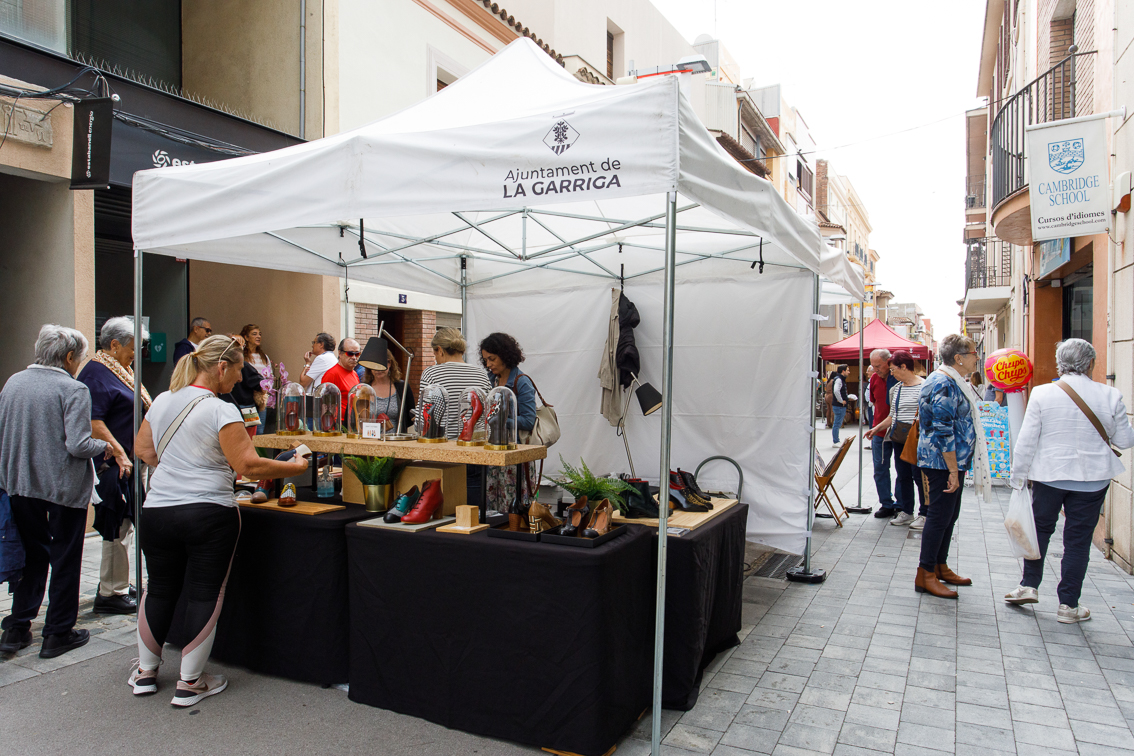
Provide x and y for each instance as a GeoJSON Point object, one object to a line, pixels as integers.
{"type": "Point", "coordinates": [981, 475]}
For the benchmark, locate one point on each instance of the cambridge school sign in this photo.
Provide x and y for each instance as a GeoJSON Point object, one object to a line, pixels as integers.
{"type": "Point", "coordinates": [1067, 165]}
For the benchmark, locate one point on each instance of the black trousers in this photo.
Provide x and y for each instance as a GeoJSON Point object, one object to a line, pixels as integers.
{"type": "Point", "coordinates": [944, 509]}
{"type": "Point", "coordinates": [52, 536]}
{"type": "Point", "coordinates": [1082, 512]}
{"type": "Point", "coordinates": [909, 478]}
{"type": "Point", "coordinates": [189, 545]}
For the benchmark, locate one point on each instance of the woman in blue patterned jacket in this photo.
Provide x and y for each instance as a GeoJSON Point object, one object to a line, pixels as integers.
{"type": "Point", "coordinates": [946, 448]}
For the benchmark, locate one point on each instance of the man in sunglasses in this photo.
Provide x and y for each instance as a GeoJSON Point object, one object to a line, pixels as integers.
{"type": "Point", "coordinates": [199, 330]}
{"type": "Point", "coordinates": [342, 374]}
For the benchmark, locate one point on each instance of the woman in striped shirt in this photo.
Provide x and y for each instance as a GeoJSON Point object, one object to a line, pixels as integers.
{"type": "Point", "coordinates": [904, 396]}
{"type": "Point", "coordinates": [454, 375]}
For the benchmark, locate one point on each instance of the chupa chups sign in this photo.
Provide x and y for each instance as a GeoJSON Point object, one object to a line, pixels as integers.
{"type": "Point", "coordinates": [1008, 369]}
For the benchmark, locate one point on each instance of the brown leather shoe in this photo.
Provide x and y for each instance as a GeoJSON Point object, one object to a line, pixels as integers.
{"type": "Point", "coordinates": [927, 582]}
{"type": "Point", "coordinates": [946, 575]}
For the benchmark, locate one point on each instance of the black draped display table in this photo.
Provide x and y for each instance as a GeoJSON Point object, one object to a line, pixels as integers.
{"type": "Point", "coordinates": [704, 592]}
{"type": "Point", "coordinates": [286, 610]}
{"type": "Point", "coordinates": [534, 643]}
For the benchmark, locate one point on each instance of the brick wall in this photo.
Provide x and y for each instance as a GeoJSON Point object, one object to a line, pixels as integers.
{"type": "Point", "coordinates": [365, 322]}
{"type": "Point", "coordinates": [420, 325]}
{"type": "Point", "coordinates": [1085, 66]}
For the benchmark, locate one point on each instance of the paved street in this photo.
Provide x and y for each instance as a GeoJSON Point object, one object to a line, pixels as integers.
{"type": "Point", "coordinates": [857, 665]}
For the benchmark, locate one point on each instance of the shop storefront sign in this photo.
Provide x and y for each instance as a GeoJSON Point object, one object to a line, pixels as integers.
{"type": "Point", "coordinates": [1052, 254]}
{"type": "Point", "coordinates": [1067, 165]}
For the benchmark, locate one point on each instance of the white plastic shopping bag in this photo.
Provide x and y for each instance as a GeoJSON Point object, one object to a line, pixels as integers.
{"type": "Point", "coordinates": [1021, 526]}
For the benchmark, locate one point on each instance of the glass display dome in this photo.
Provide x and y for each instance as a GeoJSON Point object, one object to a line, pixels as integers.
{"type": "Point", "coordinates": [362, 407]}
{"type": "Point", "coordinates": [431, 407]}
{"type": "Point", "coordinates": [474, 422]}
{"type": "Point", "coordinates": [326, 410]}
{"type": "Point", "coordinates": [503, 433]}
{"type": "Point", "coordinates": [290, 411]}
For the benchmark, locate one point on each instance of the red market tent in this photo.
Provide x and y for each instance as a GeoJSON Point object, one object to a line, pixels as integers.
{"type": "Point", "coordinates": [876, 335]}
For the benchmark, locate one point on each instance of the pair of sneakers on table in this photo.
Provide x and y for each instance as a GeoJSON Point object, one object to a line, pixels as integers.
{"type": "Point", "coordinates": [1068, 615]}
{"type": "Point", "coordinates": [144, 683]}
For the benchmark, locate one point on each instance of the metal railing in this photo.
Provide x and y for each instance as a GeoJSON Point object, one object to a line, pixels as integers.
{"type": "Point", "coordinates": [974, 192]}
{"type": "Point", "coordinates": [988, 263]}
{"type": "Point", "coordinates": [1050, 97]}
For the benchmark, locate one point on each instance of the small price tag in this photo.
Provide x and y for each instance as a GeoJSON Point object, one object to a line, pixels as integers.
{"type": "Point", "coordinates": [372, 430]}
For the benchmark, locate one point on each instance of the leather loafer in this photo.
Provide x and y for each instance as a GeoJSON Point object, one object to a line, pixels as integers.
{"type": "Point", "coordinates": [120, 604]}
{"type": "Point", "coordinates": [57, 645]}
{"type": "Point", "coordinates": [15, 638]}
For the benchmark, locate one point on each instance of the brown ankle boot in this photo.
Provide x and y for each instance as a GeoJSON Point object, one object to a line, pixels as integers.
{"type": "Point", "coordinates": [946, 575]}
{"type": "Point", "coordinates": [927, 582]}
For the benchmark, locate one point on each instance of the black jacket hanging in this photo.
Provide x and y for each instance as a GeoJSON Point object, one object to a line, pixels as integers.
{"type": "Point", "coordinates": [626, 354]}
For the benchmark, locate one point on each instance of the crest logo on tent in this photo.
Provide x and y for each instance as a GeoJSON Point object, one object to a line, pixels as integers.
{"type": "Point", "coordinates": [1065, 157]}
{"type": "Point", "coordinates": [561, 137]}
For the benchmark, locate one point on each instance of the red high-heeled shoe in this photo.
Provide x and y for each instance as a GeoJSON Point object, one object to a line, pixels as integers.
{"type": "Point", "coordinates": [477, 409]}
{"type": "Point", "coordinates": [430, 501]}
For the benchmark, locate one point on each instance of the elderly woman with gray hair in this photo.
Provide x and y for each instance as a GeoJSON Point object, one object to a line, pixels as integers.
{"type": "Point", "coordinates": [1065, 450]}
{"type": "Point", "coordinates": [45, 466]}
{"type": "Point", "coordinates": [110, 379]}
{"type": "Point", "coordinates": [950, 442]}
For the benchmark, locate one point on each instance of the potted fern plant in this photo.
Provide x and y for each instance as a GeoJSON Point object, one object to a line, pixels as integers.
{"type": "Point", "coordinates": [377, 476]}
{"type": "Point", "coordinates": [580, 482]}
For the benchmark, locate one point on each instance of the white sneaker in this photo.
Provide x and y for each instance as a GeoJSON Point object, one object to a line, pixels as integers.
{"type": "Point", "coordinates": [143, 682]}
{"type": "Point", "coordinates": [206, 685]}
{"type": "Point", "coordinates": [902, 518]}
{"type": "Point", "coordinates": [1069, 615]}
{"type": "Point", "coordinates": [1022, 594]}
{"type": "Point", "coordinates": [918, 523]}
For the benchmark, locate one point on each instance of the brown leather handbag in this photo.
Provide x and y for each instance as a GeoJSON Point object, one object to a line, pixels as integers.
{"type": "Point", "coordinates": [909, 450]}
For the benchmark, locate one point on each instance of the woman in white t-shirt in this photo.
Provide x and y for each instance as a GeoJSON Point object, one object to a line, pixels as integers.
{"type": "Point", "coordinates": [190, 522]}
{"type": "Point", "coordinates": [904, 397]}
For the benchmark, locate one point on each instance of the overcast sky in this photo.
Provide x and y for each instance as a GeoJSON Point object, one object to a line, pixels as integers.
{"type": "Point", "coordinates": [858, 71]}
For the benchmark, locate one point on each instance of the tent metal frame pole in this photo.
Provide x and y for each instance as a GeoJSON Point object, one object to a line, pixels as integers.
{"type": "Point", "coordinates": [861, 407]}
{"type": "Point", "coordinates": [139, 489]}
{"type": "Point", "coordinates": [805, 573]}
{"type": "Point", "coordinates": [464, 294]}
{"type": "Point", "coordinates": [663, 478]}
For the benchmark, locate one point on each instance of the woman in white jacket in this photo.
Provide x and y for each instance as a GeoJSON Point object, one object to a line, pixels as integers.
{"type": "Point", "coordinates": [1070, 466]}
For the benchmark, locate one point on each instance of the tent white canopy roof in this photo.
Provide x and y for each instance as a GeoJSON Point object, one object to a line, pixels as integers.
{"type": "Point", "coordinates": [517, 166]}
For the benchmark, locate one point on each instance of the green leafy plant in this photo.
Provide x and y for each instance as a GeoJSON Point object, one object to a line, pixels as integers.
{"type": "Point", "coordinates": [373, 471]}
{"type": "Point", "coordinates": [580, 481]}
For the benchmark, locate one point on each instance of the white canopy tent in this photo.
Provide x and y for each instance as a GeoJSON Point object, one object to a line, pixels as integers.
{"type": "Point", "coordinates": [530, 194]}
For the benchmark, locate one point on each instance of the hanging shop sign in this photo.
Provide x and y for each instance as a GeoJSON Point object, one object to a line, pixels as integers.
{"type": "Point", "coordinates": [90, 143]}
{"type": "Point", "coordinates": [1052, 254]}
{"type": "Point", "coordinates": [1067, 166]}
{"type": "Point", "coordinates": [1008, 369]}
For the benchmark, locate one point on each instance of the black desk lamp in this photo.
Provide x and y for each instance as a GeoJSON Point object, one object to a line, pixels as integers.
{"type": "Point", "coordinates": [650, 400]}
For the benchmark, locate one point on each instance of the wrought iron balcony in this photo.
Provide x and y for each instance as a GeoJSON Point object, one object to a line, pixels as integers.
{"type": "Point", "coordinates": [1050, 97]}
{"type": "Point", "coordinates": [988, 263]}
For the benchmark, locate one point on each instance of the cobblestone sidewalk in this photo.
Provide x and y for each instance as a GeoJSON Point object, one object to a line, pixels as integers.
{"type": "Point", "coordinates": [861, 664]}
{"type": "Point", "coordinates": [108, 632]}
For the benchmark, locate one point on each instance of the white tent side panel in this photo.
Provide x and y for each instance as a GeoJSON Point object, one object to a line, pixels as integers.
{"type": "Point", "coordinates": [741, 361]}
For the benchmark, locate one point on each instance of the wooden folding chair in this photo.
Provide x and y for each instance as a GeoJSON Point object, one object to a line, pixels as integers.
{"type": "Point", "coordinates": [825, 476]}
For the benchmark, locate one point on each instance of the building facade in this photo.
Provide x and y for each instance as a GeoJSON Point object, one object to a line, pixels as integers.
{"type": "Point", "coordinates": [1041, 62]}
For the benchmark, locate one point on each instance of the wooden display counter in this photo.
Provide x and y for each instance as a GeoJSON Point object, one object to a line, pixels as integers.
{"type": "Point", "coordinates": [446, 452]}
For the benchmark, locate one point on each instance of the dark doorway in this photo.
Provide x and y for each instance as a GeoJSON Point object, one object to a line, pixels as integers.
{"type": "Point", "coordinates": [165, 285]}
{"type": "Point", "coordinates": [1078, 305]}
